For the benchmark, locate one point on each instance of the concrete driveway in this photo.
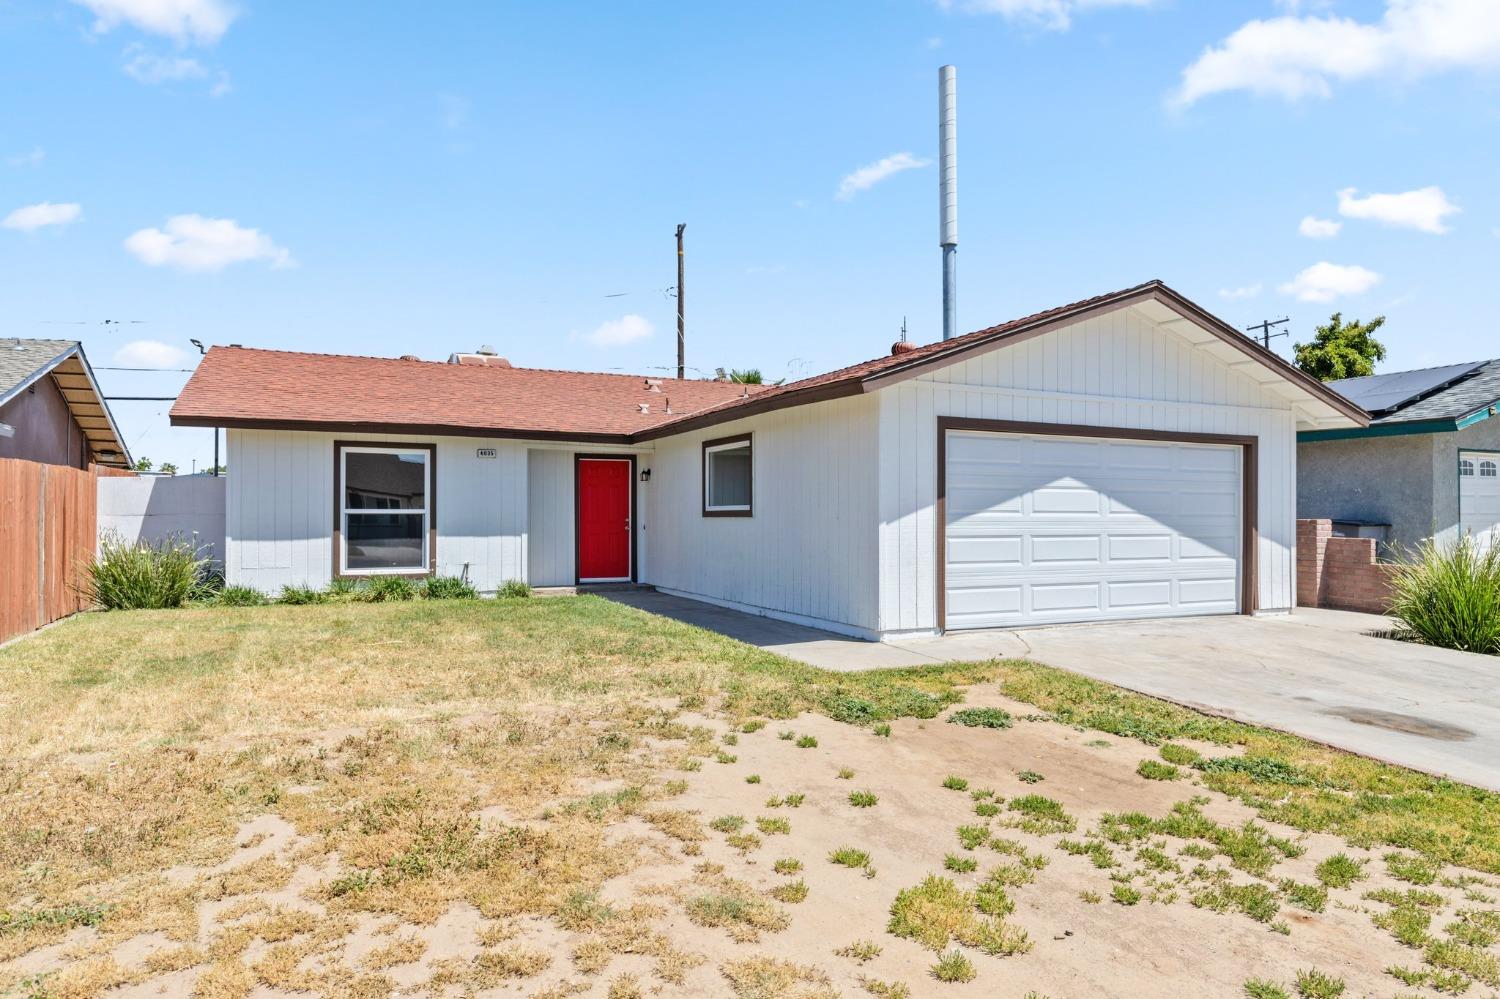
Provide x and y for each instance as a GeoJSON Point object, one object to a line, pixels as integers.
{"type": "Point", "coordinates": [1316, 673]}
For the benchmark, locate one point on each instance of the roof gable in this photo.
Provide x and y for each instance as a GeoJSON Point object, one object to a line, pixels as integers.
{"type": "Point", "coordinates": [25, 362]}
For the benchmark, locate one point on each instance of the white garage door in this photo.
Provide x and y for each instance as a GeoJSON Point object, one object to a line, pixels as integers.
{"type": "Point", "coordinates": [1045, 529]}
{"type": "Point", "coordinates": [1479, 496]}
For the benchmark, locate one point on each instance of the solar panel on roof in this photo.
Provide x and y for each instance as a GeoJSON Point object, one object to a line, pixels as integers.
{"type": "Point", "coordinates": [1382, 393]}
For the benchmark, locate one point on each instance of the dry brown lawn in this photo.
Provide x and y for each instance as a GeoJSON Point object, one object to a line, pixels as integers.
{"type": "Point", "coordinates": [570, 797]}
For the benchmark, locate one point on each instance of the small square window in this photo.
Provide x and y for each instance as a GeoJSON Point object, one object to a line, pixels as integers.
{"type": "Point", "coordinates": [1465, 467]}
{"type": "Point", "coordinates": [728, 473]}
{"type": "Point", "coordinates": [1486, 469]}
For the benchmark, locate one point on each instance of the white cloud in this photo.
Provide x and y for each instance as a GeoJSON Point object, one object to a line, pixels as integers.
{"type": "Point", "coordinates": [1324, 282]}
{"type": "Point", "coordinates": [618, 332]}
{"type": "Point", "coordinates": [147, 67]}
{"type": "Point", "coordinates": [868, 176]}
{"type": "Point", "coordinates": [934, 42]}
{"type": "Point", "coordinates": [1316, 228]}
{"type": "Point", "coordinates": [195, 243]}
{"type": "Point", "coordinates": [149, 354]}
{"type": "Point", "coordinates": [1422, 209]}
{"type": "Point", "coordinates": [29, 218]}
{"type": "Point", "coordinates": [200, 21]}
{"type": "Point", "coordinates": [32, 158]}
{"type": "Point", "coordinates": [1236, 294]}
{"type": "Point", "coordinates": [1053, 15]}
{"type": "Point", "coordinates": [1294, 57]}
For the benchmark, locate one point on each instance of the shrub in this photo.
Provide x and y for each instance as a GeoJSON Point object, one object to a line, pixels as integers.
{"type": "Point", "coordinates": [514, 588]}
{"type": "Point", "coordinates": [145, 576]}
{"type": "Point", "coordinates": [240, 596]}
{"type": "Point", "coordinates": [449, 588]}
{"type": "Point", "coordinates": [385, 588]}
{"type": "Point", "coordinates": [342, 590]}
{"type": "Point", "coordinates": [301, 595]}
{"type": "Point", "coordinates": [1449, 596]}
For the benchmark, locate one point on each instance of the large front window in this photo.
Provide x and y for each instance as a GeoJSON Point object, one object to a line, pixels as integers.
{"type": "Point", "coordinates": [385, 509]}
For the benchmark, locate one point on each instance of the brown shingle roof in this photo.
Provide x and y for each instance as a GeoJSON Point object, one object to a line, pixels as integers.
{"type": "Point", "coordinates": [238, 386]}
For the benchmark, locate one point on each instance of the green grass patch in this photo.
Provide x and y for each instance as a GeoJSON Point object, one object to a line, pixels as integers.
{"type": "Point", "coordinates": [982, 718]}
{"type": "Point", "coordinates": [1286, 779]}
{"type": "Point", "coordinates": [1041, 815]}
{"type": "Point", "coordinates": [1314, 984]}
{"type": "Point", "coordinates": [1340, 871]}
{"type": "Point", "coordinates": [1157, 770]}
{"type": "Point", "coordinates": [953, 783]}
{"type": "Point", "coordinates": [862, 799]}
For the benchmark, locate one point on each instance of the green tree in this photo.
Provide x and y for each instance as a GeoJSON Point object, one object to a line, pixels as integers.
{"type": "Point", "coordinates": [143, 464]}
{"type": "Point", "coordinates": [1341, 350]}
{"type": "Point", "coordinates": [167, 468]}
{"type": "Point", "coordinates": [749, 376]}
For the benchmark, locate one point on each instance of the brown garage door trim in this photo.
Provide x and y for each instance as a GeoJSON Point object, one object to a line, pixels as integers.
{"type": "Point", "coordinates": [1249, 487]}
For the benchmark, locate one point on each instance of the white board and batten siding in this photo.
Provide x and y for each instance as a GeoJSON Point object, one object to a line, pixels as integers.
{"type": "Point", "coordinates": [279, 508]}
{"type": "Point", "coordinates": [808, 553]}
{"type": "Point", "coordinates": [1120, 370]}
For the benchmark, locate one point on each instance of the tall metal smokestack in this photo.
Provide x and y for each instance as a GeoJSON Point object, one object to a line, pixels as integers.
{"type": "Point", "coordinates": [948, 194]}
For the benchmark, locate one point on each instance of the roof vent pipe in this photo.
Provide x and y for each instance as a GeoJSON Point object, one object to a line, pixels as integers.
{"type": "Point", "coordinates": [948, 194]}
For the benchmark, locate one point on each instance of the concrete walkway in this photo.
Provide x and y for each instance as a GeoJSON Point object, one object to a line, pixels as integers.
{"type": "Point", "coordinates": [1319, 674]}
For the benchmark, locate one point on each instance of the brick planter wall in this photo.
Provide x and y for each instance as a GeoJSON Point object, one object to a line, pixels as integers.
{"type": "Point", "coordinates": [1341, 573]}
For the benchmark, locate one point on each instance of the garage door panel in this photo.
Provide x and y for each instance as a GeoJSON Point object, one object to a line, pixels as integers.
{"type": "Point", "coordinates": [1217, 592]}
{"type": "Point", "coordinates": [987, 551]}
{"type": "Point", "coordinates": [1047, 548]}
{"type": "Point", "coordinates": [1063, 498]}
{"type": "Point", "coordinates": [1087, 530]}
{"type": "Point", "coordinates": [1140, 595]}
{"type": "Point", "coordinates": [1140, 548]}
{"type": "Point", "coordinates": [1079, 597]}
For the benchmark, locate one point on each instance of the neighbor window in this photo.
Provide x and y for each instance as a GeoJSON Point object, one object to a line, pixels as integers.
{"type": "Point", "coordinates": [1486, 469]}
{"type": "Point", "coordinates": [727, 470]}
{"type": "Point", "coordinates": [385, 508]}
{"type": "Point", "coordinates": [1465, 466]}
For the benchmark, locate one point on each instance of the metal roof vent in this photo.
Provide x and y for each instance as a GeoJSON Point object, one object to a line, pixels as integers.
{"type": "Point", "coordinates": [645, 407]}
{"type": "Point", "coordinates": [410, 357]}
{"type": "Point", "coordinates": [486, 350]}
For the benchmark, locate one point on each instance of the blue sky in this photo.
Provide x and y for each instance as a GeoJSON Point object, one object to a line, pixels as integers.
{"type": "Point", "coordinates": [401, 178]}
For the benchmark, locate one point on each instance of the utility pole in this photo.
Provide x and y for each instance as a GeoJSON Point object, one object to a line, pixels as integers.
{"type": "Point", "coordinates": [1265, 327]}
{"type": "Point", "coordinates": [681, 335]}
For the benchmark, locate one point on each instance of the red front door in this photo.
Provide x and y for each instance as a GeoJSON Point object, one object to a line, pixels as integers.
{"type": "Point", "coordinates": [604, 519]}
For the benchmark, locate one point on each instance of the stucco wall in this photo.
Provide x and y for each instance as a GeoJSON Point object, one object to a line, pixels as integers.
{"type": "Point", "coordinates": [155, 507]}
{"type": "Point", "coordinates": [1387, 480]}
{"type": "Point", "coordinates": [45, 429]}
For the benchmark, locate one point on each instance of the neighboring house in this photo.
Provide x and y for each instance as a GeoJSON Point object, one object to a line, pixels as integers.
{"type": "Point", "coordinates": [1426, 465]}
{"type": "Point", "coordinates": [51, 409]}
{"type": "Point", "coordinates": [1125, 456]}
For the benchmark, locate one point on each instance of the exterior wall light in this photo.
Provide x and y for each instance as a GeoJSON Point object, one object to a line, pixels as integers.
{"type": "Point", "coordinates": [645, 475]}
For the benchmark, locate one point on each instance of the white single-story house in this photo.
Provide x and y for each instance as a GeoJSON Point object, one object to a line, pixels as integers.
{"type": "Point", "coordinates": [1126, 456]}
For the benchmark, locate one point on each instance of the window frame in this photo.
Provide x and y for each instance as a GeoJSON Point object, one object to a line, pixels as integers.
{"type": "Point", "coordinates": [1487, 468]}
{"type": "Point", "coordinates": [725, 444]}
{"type": "Point", "coordinates": [428, 512]}
{"type": "Point", "coordinates": [1465, 468]}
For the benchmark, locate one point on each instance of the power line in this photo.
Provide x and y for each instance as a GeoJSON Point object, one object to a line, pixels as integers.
{"type": "Point", "coordinates": [1265, 327]}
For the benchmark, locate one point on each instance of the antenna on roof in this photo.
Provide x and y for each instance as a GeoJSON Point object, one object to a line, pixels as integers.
{"type": "Point", "coordinates": [948, 194]}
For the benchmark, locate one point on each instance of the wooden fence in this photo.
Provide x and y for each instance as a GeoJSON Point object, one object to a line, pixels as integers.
{"type": "Point", "coordinates": [48, 533]}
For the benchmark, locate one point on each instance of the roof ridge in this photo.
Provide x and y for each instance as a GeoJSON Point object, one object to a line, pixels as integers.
{"type": "Point", "coordinates": [489, 367]}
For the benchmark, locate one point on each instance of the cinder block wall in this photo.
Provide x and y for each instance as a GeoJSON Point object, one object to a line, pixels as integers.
{"type": "Point", "coordinates": [1341, 573]}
